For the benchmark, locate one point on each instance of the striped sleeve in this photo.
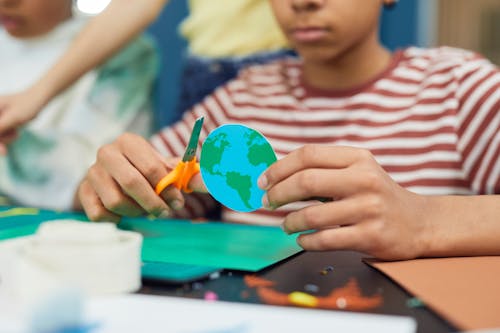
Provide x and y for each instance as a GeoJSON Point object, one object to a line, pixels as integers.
{"type": "Point", "coordinates": [479, 124]}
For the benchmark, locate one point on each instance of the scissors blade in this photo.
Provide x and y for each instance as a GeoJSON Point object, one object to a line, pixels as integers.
{"type": "Point", "coordinates": [193, 141]}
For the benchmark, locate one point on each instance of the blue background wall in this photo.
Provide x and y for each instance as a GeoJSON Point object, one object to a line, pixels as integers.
{"type": "Point", "coordinates": [171, 47]}
{"type": "Point", "coordinates": [399, 29]}
{"type": "Point", "coordinates": [399, 26]}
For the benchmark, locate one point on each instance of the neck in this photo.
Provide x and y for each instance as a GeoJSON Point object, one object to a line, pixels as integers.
{"type": "Point", "coordinates": [353, 68]}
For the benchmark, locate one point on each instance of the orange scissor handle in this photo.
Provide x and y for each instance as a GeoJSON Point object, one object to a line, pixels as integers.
{"type": "Point", "coordinates": [179, 177]}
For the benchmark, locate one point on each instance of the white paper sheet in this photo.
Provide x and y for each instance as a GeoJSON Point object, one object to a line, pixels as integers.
{"type": "Point", "coordinates": [141, 313]}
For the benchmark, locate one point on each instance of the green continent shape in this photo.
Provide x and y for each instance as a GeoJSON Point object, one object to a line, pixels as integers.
{"type": "Point", "coordinates": [251, 137]}
{"type": "Point", "coordinates": [213, 148]}
{"type": "Point", "coordinates": [242, 184]}
{"type": "Point", "coordinates": [258, 154]}
{"type": "Point", "coordinates": [258, 150]}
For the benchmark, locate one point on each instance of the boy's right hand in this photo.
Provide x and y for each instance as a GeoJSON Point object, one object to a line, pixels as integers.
{"type": "Point", "coordinates": [122, 180]}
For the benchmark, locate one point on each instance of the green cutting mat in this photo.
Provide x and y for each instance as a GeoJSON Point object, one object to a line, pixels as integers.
{"type": "Point", "coordinates": [215, 244]}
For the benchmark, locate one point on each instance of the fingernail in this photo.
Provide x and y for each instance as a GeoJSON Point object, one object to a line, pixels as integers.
{"type": "Point", "coordinates": [164, 214]}
{"type": "Point", "coordinates": [262, 182]}
{"type": "Point", "coordinates": [176, 204]}
{"type": "Point", "coordinates": [299, 242]}
{"type": "Point", "coordinates": [265, 201]}
{"type": "Point", "coordinates": [283, 227]}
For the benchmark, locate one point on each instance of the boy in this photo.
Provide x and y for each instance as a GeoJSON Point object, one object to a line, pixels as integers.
{"type": "Point", "coordinates": [45, 163]}
{"type": "Point", "coordinates": [391, 138]}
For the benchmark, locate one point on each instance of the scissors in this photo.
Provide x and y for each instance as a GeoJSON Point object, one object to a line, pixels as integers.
{"type": "Point", "coordinates": [187, 167]}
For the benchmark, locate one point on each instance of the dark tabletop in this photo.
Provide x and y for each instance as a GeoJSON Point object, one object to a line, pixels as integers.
{"type": "Point", "coordinates": [304, 271]}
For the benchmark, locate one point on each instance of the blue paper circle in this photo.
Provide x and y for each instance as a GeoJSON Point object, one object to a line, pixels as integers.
{"type": "Point", "coordinates": [232, 159]}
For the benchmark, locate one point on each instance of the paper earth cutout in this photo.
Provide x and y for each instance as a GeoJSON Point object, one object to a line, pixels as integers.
{"type": "Point", "coordinates": [232, 159]}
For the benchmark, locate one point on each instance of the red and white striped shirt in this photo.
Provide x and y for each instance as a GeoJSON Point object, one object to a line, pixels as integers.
{"type": "Point", "coordinates": [431, 119]}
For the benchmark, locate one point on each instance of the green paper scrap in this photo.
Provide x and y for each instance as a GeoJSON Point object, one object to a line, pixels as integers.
{"type": "Point", "coordinates": [415, 303]}
{"type": "Point", "coordinates": [216, 244]}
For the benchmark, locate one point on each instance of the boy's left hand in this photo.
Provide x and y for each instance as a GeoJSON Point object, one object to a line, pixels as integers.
{"type": "Point", "coordinates": [369, 213]}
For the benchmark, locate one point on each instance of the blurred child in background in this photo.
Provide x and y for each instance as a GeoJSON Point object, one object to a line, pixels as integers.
{"type": "Point", "coordinates": [47, 158]}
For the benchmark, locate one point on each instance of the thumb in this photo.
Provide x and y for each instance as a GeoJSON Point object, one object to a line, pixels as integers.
{"type": "Point", "coordinates": [197, 185]}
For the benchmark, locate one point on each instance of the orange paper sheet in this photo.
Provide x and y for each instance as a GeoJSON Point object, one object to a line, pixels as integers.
{"type": "Point", "coordinates": [465, 291]}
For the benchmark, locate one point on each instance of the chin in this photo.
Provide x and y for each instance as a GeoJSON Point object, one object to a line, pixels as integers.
{"type": "Point", "coordinates": [318, 57]}
{"type": "Point", "coordinates": [325, 53]}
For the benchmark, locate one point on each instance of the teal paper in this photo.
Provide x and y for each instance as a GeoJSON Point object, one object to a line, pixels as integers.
{"type": "Point", "coordinates": [231, 246]}
{"type": "Point", "coordinates": [215, 244]}
{"type": "Point", "coordinates": [232, 158]}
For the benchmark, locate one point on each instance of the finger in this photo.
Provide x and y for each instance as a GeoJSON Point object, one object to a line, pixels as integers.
{"type": "Point", "coordinates": [3, 149]}
{"type": "Point", "coordinates": [324, 216]}
{"type": "Point", "coordinates": [342, 238]}
{"type": "Point", "coordinates": [173, 197]}
{"type": "Point", "coordinates": [149, 162]}
{"type": "Point", "coordinates": [132, 181]}
{"type": "Point", "coordinates": [153, 167]}
{"type": "Point", "coordinates": [110, 194]}
{"type": "Point", "coordinates": [197, 185]}
{"type": "Point", "coordinates": [93, 206]}
{"type": "Point", "coordinates": [321, 183]}
{"type": "Point", "coordinates": [310, 156]}
{"type": "Point", "coordinates": [143, 157]}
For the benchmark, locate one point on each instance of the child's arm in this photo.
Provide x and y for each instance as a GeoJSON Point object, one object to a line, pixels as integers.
{"type": "Point", "coordinates": [370, 213]}
{"type": "Point", "coordinates": [48, 160]}
{"type": "Point", "coordinates": [118, 24]}
{"type": "Point", "coordinates": [121, 182]}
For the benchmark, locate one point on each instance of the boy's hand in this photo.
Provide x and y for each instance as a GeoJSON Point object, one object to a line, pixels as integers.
{"type": "Point", "coordinates": [122, 180]}
{"type": "Point", "coordinates": [369, 213]}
